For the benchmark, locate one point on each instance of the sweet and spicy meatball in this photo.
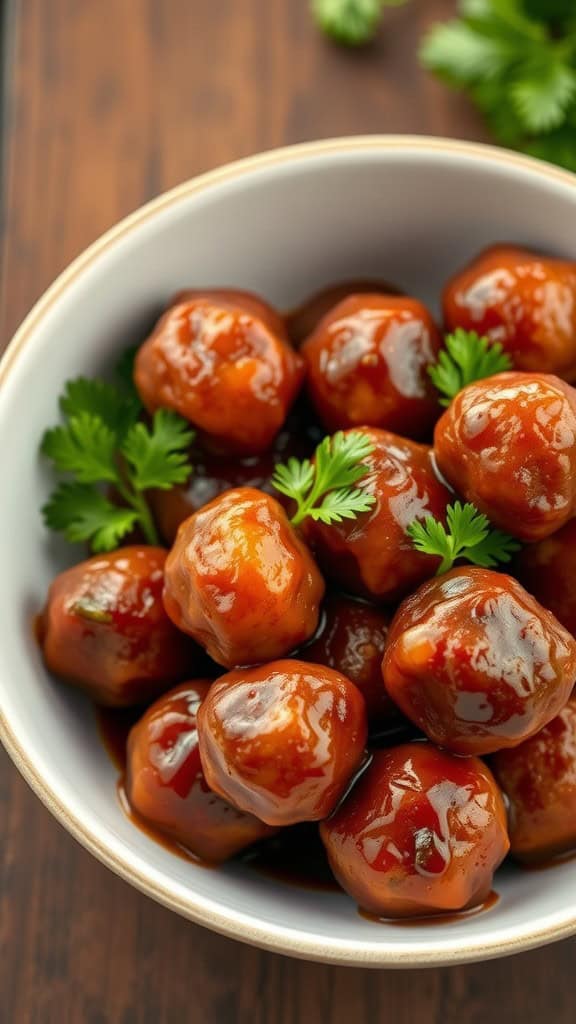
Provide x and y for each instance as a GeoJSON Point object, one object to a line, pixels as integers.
{"type": "Point", "coordinates": [508, 444]}
{"type": "Point", "coordinates": [548, 571]}
{"type": "Point", "coordinates": [248, 301]}
{"type": "Point", "coordinates": [351, 639]}
{"type": "Point", "coordinates": [241, 582]}
{"type": "Point", "coordinates": [282, 741]}
{"type": "Point", "coordinates": [220, 366]}
{"type": "Point", "coordinates": [476, 663]}
{"type": "Point", "coordinates": [539, 779]}
{"type": "Point", "coordinates": [524, 301]}
{"type": "Point", "coordinates": [165, 784]}
{"type": "Point", "coordinates": [368, 362]}
{"type": "Point", "coordinates": [422, 832]}
{"type": "Point", "coordinates": [104, 628]}
{"type": "Point", "coordinates": [372, 555]}
{"type": "Point", "coordinates": [301, 321]}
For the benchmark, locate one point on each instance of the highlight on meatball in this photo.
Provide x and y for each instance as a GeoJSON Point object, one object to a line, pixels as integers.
{"type": "Point", "coordinates": [104, 628]}
{"type": "Point", "coordinates": [422, 832]}
{"type": "Point", "coordinates": [476, 663]}
{"type": "Point", "coordinates": [524, 301]}
{"type": "Point", "coordinates": [282, 741]}
{"type": "Point", "coordinates": [222, 367]}
{"type": "Point", "coordinates": [548, 571]}
{"type": "Point", "coordinates": [539, 781]}
{"type": "Point", "coordinates": [508, 445]}
{"type": "Point", "coordinates": [166, 787]}
{"type": "Point", "coordinates": [368, 362]}
{"type": "Point", "coordinates": [241, 582]}
{"type": "Point", "coordinates": [371, 555]}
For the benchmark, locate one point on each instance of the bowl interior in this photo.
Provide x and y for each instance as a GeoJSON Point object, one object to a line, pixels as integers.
{"type": "Point", "coordinates": [409, 211]}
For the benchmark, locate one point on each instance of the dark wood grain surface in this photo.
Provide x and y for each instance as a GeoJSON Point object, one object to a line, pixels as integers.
{"type": "Point", "coordinates": [108, 102]}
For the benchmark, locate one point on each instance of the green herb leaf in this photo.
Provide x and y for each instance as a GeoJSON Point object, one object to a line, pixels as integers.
{"type": "Point", "coordinates": [350, 22]}
{"type": "Point", "coordinates": [469, 535]}
{"type": "Point", "coordinates": [158, 456]}
{"type": "Point", "coordinates": [82, 513]}
{"type": "Point", "coordinates": [543, 98]}
{"type": "Point", "coordinates": [324, 489]}
{"type": "Point", "coordinates": [101, 443]}
{"type": "Point", "coordinates": [467, 357]}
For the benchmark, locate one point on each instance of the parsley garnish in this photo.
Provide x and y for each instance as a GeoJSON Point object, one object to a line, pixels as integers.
{"type": "Point", "coordinates": [516, 59]}
{"type": "Point", "coordinates": [102, 442]}
{"type": "Point", "coordinates": [469, 535]}
{"type": "Point", "coordinates": [466, 358]}
{"type": "Point", "coordinates": [350, 22]}
{"type": "Point", "coordinates": [324, 489]}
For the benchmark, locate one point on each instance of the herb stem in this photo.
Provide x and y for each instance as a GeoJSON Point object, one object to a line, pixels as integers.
{"type": "Point", "coordinates": [138, 502]}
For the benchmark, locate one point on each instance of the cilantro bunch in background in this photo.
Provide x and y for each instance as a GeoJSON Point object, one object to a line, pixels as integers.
{"type": "Point", "coordinates": [110, 458]}
{"type": "Point", "coordinates": [516, 59]}
{"type": "Point", "coordinates": [350, 22]}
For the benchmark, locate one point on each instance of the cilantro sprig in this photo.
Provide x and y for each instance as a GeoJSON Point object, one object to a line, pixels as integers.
{"type": "Point", "coordinates": [468, 535]}
{"type": "Point", "coordinates": [323, 489]}
{"type": "Point", "coordinates": [350, 22]}
{"type": "Point", "coordinates": [467, 357]}
{"type": "Point", "coordinates": [102, 444]}
{"type": "Point", "coordinates": [516, 59]}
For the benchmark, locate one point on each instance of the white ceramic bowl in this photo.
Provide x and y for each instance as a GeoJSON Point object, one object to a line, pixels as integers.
{"type": "Point", "coordinates": [409, 209]}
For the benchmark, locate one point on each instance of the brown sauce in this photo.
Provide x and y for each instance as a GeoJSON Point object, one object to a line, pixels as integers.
{"type": "Point", "coordinates": [434, 919]}
{"type": "Point", "coordinates": [550, 862]}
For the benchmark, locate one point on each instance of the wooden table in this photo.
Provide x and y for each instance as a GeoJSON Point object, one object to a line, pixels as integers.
{"type": "Point", "coordinates": [108, 102]}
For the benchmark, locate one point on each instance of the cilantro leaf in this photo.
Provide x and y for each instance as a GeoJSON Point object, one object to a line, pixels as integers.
{"type": "Point", "coordinates": [82, 513]}
{"type": "Point", "coordinates": [158, 456]}
{"type": "Point", "coordinates": [323, 489]}
{"type": "Point", "coordinates": [350, 22]}
{"type": "Point", "coordinates": [469, 535]}
{"type": "Point", "coordinates": [542, 98]}
{"type": "Point", "coordinates": [85, 446]}
{"type": "Point", "coordinates": [467, 357]}
{"type": "Point", "coordinates": [102, 444]}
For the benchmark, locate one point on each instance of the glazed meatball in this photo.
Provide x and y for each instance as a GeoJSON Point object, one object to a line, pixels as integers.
{"type": "Point", "coordinates": [539, 780]}
{"type": "Point", "coordinates": [367, 364]}
{"type": "Point", "coordinates": [351, 639]}
{"type": "Point", "coordinates": [165, 784]}
{"type": "Point", "coordinates": [508, 444]}
{"type": "Point", "coordinates": [548, 571]}
{"type": "Point", "coordinates": [105, 630]}
{"type": "Point", "coordinates": [372, 556]}
{"type": "Point", "coordinates": [476, 663]}
{"type": "Point", "coordinates": [282, 741]}
{"type": "Point", "coordinates": [241, 582]}
{"type": "Point", "coordinates": [524, 301]}
{"type": "Point", "coordinates": [305, 318]}
{"type": "Point", "coordinates": [215, 473]}
{"type": "Point", "coordinates": [223, 368]}
{"type": "Point", "coordinates": [422, 832]}
{"type": "Point", "coordinates": [248, 301]}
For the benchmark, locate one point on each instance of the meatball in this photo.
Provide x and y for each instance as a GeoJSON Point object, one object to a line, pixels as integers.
{"type": "Point", "coordinates": [372, 556]}
{"type": "Point", "coordinates": [524, 301]}
{"type": "Point", "coordinates": [368, 363]}
{"type": "Point", "coordinates": [422, 832]}
{"type": "Point", "coordinates": [508, 444]}
{"type": "Point", "coordinates": [221, 367]}
{"type": "Point", "coordinates": [247, 301]}
{"type": "Point", "coordinates": [165, 784]}
{"type": "Point", "coordinates": [105, 630]}
{"type": "Point", "coordinates": [241, 582]}
{"type": "Point", "coordinates": [539, 780]}
{"type": "Point", "coordinates": [351, 639]}
{"type": "Point", "coordinates": [548, 571]}
{"type": "Point", "coordinates": [282, 741]}
{"type": "Point", "coordinates": [215, 473]}
{"type": "Point", "coordinates": [476, 663]}
{"type": "Point", "coordinates": [301, 321]}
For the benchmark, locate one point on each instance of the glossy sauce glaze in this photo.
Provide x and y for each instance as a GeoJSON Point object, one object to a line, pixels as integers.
{"type": "Point", "coordinates": [522, 300]}
{"type": "Point", "coordinates": [303, 319]}
{"type": "Point", "coordinates": [434, 919]}
{"type": "Point", "coordinates": [371, 555]}
{"type": "Point", "coordinates": [508, 445]}
{"type": "Point", "coordinates": [476, 663]}
{"type": "Point", "coordinates": [367, 362]}
{"type": "Point", "coordinates": [241, 582]}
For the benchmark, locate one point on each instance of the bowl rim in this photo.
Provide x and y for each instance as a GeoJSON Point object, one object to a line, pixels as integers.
{"type": "Point", "coordinates": [271, 937]}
